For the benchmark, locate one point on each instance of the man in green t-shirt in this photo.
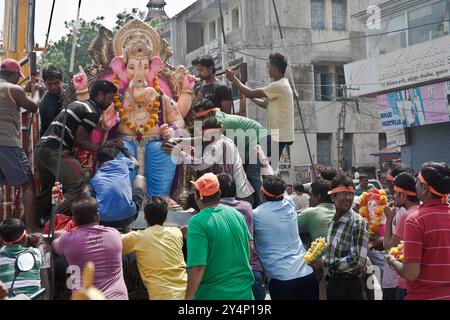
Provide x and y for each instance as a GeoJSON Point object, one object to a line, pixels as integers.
{"type": "Point", "coordinates": [247, 134]}
{"type": "Point", "coordinates": [364, 185]}
{"type": "Point", "coordinates": [316, 220]}
{"type": "Point", "coordinates": [218, 248]}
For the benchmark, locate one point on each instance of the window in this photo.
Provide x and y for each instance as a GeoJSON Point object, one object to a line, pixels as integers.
{"type": "Point", "coordinates": [194, 34]}
{"type": "Point", "coordinates": [212, 30]}
{"type": "Point", "coordinates": [340, 82]}
{"type": "Point", "coordinates": [389, 41]}
{"type": "Point", "coordinates": [338, 14]}
{"type": "Point", "coordinates": [235, 19]}
{"type": "Point", "coordinates": [323, 83]}
{"type": "Point", "coordinates": [424, 22]}
{"type": "Point", "coordinates": [348, 152]}
{"type": "Point", "coordinates": [324, 149]}
{"type": "Point", "coordinates": [317, 14]}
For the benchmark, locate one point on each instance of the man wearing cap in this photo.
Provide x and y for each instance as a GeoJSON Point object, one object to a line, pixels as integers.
{"type": "Point", "coordinates": [218, 248]}
{"type": "Point", "coordinates": [348, 238]}
{"type": "Point", "coordinates": [15, 169]}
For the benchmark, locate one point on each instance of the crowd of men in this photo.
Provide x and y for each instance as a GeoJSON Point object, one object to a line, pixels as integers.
{"type": "Point", "coordinates": [249, 233]}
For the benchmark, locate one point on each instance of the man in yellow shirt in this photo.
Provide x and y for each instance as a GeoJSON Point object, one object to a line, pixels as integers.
{"type": "Point", "coordinates": [159, 254]}
{"type": "Point", "coordinates": [277, 98]}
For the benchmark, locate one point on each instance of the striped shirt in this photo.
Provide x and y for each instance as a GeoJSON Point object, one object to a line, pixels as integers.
{"type": "Point", "coordinates": [348, 238]}
{"type": "Point", "coordinates": [427, 241]}
{"type": "Point", "coordinates": [85, 114]}
{"type": "Point", "coordinates": [27, 283]}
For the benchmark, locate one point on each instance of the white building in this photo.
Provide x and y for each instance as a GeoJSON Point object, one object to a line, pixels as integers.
{"type": "Point", "coordinates": [314, 32]}
{"type": "Point", "coordinates": [405, 75]}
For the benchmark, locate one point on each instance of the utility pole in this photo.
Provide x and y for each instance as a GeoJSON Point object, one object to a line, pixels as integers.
{"type": "Point", "coordinates": [341, 128]}
{"type": "Point", "coordinates": [342, 122]}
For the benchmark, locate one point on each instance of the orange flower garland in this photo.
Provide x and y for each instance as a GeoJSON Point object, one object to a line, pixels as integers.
{"type": "Point", "coordinates": [139, 130]}
{"type": "Point", "coordinates": [375, 223]}
{"type": "Point", "coordinates": [399, 252]}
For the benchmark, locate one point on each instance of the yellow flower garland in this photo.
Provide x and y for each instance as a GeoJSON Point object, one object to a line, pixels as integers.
{"type": "Point", "coordinates": [398, 252]}
{"type": "Point", "coordinates": [124, 118]}
{"type": "Point", "coordinates": [316, 250]}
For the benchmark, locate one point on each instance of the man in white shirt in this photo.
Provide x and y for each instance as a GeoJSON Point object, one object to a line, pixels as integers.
{"type": "Point", "coordinates": [277, 98]}
{"type": "Point", "coordinates": [300, 197]}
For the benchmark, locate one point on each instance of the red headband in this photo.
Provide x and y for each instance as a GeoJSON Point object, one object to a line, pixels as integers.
{"type": "Point", "coordinates": [432, 190]}
{"type": "Point", "coordinates": [19, 240]}
{"type": "Point", "coordinates": [267, 193]}
{"type": "Point", "coordinates": [204, 113]}
{"type": "Point", "coordinates": [408, 193]}
{"type": "Point", "coordinates": [341, 189]}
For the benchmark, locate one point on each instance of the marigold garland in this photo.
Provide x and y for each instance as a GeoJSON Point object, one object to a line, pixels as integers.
{"type": "Point", "coordinates": [139, 130]}
{"type": "Point", "coordinates": [317, 249]}
{"type": "Point", "coordinates": [374, 223]}
{"type": "Point", "coordinates": [398, 252]}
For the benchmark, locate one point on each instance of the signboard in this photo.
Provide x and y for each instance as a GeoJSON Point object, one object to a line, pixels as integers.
{"type": "Point", "coordinates": [414, 107]}
{"type": "Point", "coordinates": [396, 138]}
{"type": "Point", "coordinates": [402, 68]}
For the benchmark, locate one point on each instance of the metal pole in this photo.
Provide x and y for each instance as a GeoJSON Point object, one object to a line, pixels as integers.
{"type": "Point", "coordinates": [50, 24]}
{"type": "Point", "coordinates": [294, 90]}
{"type": "Point", "coordinates": [75, 38]}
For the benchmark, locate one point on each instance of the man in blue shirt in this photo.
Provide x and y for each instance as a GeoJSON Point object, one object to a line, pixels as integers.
{"type": "Point", "coordinates": [279, 246]}
{"type": "Point", "coordinates": [118, 203]}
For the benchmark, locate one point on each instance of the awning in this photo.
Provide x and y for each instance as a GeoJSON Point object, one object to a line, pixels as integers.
{"type": "Point", "coordinates": [388, 152]}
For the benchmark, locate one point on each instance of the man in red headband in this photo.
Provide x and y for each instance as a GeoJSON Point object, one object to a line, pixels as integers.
{"type": "Point", "coordinates": [406, 199]}
{"type": "Point", "coordinates": [13, 238]}
{"type": "Point", "coordinates": [426, 262]}
{"type": "Point", "coordinates": [348, 237]}
{"type": "Point", "coordinates": [279, 245]}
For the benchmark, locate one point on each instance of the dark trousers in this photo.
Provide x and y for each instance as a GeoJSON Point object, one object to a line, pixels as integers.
{"type": "Point", "coordinates": [71, 177]}
{"type": "Point", "coordinates": [345, 289]}
{"type": "Point", "coordinates": [305, 288]}
{"type": "Point", "coordinates": [389, 294]}
{"type": "Point", "coordinates": [258, 289]}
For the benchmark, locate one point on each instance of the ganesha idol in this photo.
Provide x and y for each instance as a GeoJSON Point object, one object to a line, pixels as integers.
{"type": "Point", "coordinates": [372, 210]}
{"type": "Point", "coordinates": [152, 100]}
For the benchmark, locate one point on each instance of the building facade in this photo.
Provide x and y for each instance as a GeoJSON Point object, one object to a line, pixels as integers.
{"type": "Point", "coordinates": [314, 31]}
{"type": "Point", "coordinates": [406, 73]}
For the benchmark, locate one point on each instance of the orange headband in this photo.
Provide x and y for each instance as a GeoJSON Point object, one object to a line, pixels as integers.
{"type": "Point", "coordinates": [204, 113]}
{"type": "Point", "coordinates": [432, 190]}
{"type": "Point", "coordinates": [408, 193]}
{"type": "Point", "coordinates": [390, 178]}
{"type": "Point", "coordinates": [217, 130]}
{"type": "Point", "coordinates": [341, 189]}
{"type": "Point", "coordinates": [267, 193]}
{"type": "Point", "coordinates": [24, 234]}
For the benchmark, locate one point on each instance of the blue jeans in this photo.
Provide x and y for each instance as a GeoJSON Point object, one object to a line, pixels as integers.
{"type": "Point", "coordinates": [259, 291]}
{"type": "Point", "coordinates": [401, 294]}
